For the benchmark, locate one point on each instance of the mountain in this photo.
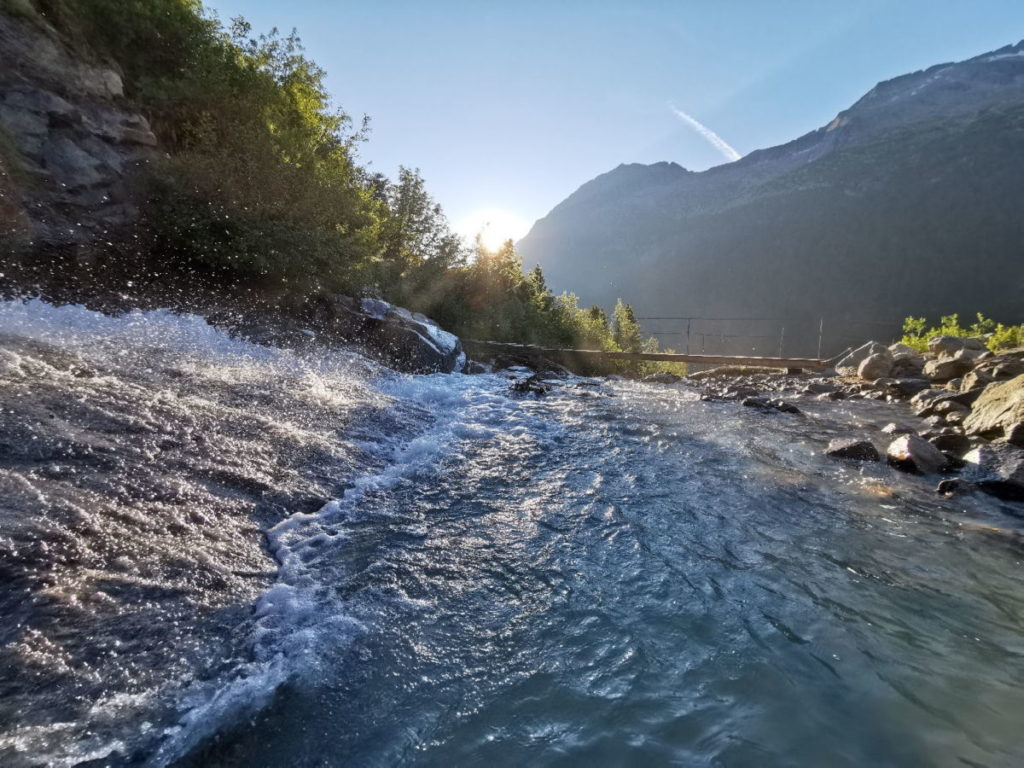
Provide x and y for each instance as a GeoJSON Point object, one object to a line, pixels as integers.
{"type": "Point", "coordinates": [909, 202]}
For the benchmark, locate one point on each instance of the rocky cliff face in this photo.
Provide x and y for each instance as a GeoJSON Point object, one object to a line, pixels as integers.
{"type": "Point", "coordinates": [906, 203]}
{"type": "Point", "coordinates": [70, 146]}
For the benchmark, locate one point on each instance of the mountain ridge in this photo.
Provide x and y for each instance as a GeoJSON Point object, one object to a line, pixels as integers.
{"type": "Point", "coordinates": [854, 218]}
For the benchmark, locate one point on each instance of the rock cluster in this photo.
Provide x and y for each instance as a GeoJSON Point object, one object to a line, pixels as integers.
{"type": "Point", "coordinates": [971, 400]}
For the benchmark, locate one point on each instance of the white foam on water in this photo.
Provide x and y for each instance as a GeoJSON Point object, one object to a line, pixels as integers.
{"type": "Point", "coordinates": [300, 617]}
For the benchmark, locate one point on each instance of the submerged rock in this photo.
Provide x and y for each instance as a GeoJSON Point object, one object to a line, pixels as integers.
{"type": "Point", "coordinates": [775, 404]}
{"type": "Point", "coordinates": [662, 377]}
{"type": "Point", "coordinates": [852, 448]}
{"type": "Point", "coordinates": [531, 384]}
{"type": "Point", "coordinates": [911, 453]}
{"type": "Point", "coordinates": [472, 367]}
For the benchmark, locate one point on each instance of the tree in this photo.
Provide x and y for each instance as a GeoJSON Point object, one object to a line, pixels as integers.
{"type": "Point", "coordinates": [626, 329]}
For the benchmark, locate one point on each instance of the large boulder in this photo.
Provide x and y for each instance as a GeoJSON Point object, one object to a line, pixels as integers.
{"type": "Point", "coordinates": [849, 365]}
{"type": "Point", "coordinates": [925, 403]}
{"type": "Point", "coordinates": [404, 340]}
{"type": "Point", "coordinates": [876, 366]}
{"type": "Point", "coordinates": [947, 346]}
{"type": "Point", "coordinates": [997, 469]}
{"type": "Point", "coordinates": [996, 368]}
{"type": "Point", "coordinates": [852, 448]}
{"type": "Point", "coordinates": [999, 410]}
{"type": "Point", "coordinates": [911, 453]}
{"type": "Point", "coordinates": [898, 350]}
{"type": "Point", "coordinates": [945, 368]}
{"type": "Point", "coordinates": [907, 361]}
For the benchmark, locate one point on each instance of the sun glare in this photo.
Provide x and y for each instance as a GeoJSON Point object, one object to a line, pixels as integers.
{"type": "Point", "coordinates": [494, 226]}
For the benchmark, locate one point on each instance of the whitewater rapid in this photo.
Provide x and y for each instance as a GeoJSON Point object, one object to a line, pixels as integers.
{"type": "Point", "coordinates": [222, 554]}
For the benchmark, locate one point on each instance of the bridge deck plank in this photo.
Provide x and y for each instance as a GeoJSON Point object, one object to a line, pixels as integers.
{"type": "Point", "coordinates": [767, 362]}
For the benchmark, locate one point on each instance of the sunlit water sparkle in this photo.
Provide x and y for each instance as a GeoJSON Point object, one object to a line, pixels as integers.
{"type": "Point", "coordinates": [614, 574]}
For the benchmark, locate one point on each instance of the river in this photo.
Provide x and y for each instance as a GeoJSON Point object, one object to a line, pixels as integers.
{"type": "Point", "coordinates": [218, 554]}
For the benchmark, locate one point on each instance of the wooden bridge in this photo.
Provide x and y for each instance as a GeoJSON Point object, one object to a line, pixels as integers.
{"type": "Point", "coordinates": [568, 356]}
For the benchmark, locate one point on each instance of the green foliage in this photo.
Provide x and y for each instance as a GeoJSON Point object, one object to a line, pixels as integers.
{"type": "Point", "coordinates": [488, 297]}
{"type": "Point", "coordinates": [996, 336]}
{"type": "Point", "coordinates": [260, 184]}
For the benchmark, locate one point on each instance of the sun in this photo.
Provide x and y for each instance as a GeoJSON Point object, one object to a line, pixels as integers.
{"type": "Point", "coordinates": [494, 225]}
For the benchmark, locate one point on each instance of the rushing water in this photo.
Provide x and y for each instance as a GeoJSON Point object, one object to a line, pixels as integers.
{"type": "Point", "coordinates": [613, 574]}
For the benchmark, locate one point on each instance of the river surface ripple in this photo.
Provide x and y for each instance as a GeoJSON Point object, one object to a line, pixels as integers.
{"type": "Point", "coordinates": [614, 574]}
{"type": "Point", "coordinates": [622, 575]}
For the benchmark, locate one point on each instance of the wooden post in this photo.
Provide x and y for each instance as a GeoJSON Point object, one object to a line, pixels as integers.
{"type": "Point", "coordinates": [821, 329]}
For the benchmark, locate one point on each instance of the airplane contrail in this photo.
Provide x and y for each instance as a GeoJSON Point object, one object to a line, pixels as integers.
{"type": "Point", "coordinates": [713, 138]}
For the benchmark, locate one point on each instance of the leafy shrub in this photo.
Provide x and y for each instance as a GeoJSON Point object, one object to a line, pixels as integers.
{"type": "Point", "coordinates": [996, 336]}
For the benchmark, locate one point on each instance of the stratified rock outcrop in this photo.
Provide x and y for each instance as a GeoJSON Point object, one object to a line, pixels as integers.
{"type": "Point", "coordinates": [70, 146]}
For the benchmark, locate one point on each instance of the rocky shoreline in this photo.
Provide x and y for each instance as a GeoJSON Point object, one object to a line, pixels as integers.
{"type": "Point", "coordinates": [970, 399]}
{"type": "Point", "coordinates": [970, 402]}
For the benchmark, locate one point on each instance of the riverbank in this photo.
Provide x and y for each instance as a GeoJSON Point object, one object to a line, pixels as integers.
{"type": "Point", "coordinates": [968, 402]}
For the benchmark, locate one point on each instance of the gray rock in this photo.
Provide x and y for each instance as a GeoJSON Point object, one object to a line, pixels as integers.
{"type": "Point", "coordinates": [911, 453]}
{"type": "Point", "coordinates": [404, 340]}
{"type": "Point", "coordinates": [783, 407]}
{"type": "Point", "coordinates": [896, 428]}
{"type": "Point", "coordinates": [662, 377]}
{"type": "Point", "coordinates": [951, 442]}
{"type": "Point", "coordinates": [943, 369]}
{"type": "Point", "coordinates": [1015, 436]}
{"type": "Point", "coordinates": [952, 486]}
{"type": "Point", "coordinates": [975, 378]}
{"type": "Point", "coordinates": [100, 81]}
{"type": "Point", "coordinates": [946, 407]}
{"type": "Point", "coordinates": [876, 366]}
{"type": "Point", "coordinates": [898, 350]}
{"type": "Point", "coordinates": [852, 448]}
{"type": "Point", "coordinates": [926, 396]}
{"type": "Point", "coordinates": [950, 345]}
{"type": "Point", "coordinates": [819, 387]}
{"type": "Point", "coordinates": [907, 366]}
{"type": "Point", "coordinates": [908, 387]}
{"type": "Point", "coordinates": [999, 410]}
{"type": "Point", "coordinates": [997, 469]}
{"type": "Point", "coordinates": [67, 160]}
{"type": "Point", "coordinates": [849, 365]}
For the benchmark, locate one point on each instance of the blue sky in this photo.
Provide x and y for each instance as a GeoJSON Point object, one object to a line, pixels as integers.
{"type": "Point", "coordinates": [507, 107]}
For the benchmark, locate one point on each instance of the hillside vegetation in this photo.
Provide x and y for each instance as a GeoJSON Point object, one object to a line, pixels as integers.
{"type": "Point", "coordinates": [260, 190]}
